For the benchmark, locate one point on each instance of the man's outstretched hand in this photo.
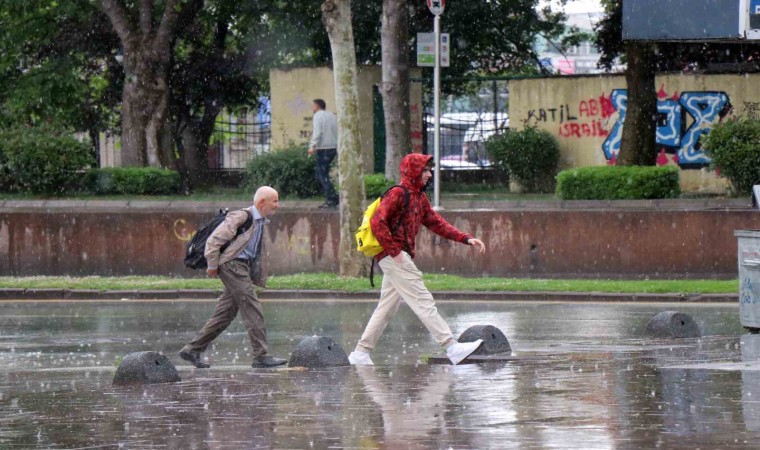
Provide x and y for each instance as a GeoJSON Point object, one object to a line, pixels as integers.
{"type": "Point", "coordinates": [477, 243]}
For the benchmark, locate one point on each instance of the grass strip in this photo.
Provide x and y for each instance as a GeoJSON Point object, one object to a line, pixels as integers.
{"type": "Point", "coordinates": [329, 281]}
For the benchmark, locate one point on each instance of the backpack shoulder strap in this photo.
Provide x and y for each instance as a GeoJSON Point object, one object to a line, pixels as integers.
{"type": "Point", "coordinates": [406, 196]}
{"type": "Point", "coordinates": [403, 211]}
{"type": "Point", "coordinates": [246, 225]}
{"type": "Point", "coordinates": [248, 222]}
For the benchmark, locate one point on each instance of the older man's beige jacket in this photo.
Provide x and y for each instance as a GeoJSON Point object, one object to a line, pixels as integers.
{"type": "Point", "coordinates": [224, 233]}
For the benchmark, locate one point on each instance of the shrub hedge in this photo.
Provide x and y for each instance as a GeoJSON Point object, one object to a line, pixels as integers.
{"type": "Point", "coordinates": [734, 148]}
{"type": "Point", "coordinates": [529, 156]}
{"type": "Point", "coordinates": [375, 185]}
{"type": "Point", "coordinates": [41, 161]}
{"type": "Point", "coordinates": [290, 171]}
{"type": "Point", "coordinates": [133, 181]}
{"type": "Point", "coordinates": [618, 183]}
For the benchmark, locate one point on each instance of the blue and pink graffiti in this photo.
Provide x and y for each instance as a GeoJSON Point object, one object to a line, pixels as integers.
{"type": "Point", "coordinates": [673, 136]}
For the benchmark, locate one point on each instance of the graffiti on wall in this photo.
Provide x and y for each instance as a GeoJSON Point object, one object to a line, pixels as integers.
{"type": "Point", "coordinates": [681, 120]}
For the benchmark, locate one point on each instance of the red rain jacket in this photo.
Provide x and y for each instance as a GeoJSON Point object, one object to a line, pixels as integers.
{"type": "Point", "coordinates": [419, 212]}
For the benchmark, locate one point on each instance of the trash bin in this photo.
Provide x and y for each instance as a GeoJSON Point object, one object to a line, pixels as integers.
{"type": "Point", "coordinates": [749, 278]}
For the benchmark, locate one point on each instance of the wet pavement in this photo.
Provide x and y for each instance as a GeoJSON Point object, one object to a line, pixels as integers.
{"type": "Point", "coordinates": [586, 377]}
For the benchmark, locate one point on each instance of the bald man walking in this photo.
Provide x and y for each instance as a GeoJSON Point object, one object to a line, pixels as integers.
{"type": "Point", "coordinates": [239, 266]}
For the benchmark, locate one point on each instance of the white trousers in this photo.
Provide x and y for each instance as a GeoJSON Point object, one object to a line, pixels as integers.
{"type": "Point", "coordinates": [403, 281]}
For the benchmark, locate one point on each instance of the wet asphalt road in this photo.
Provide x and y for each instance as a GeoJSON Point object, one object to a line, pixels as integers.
{"type": "Point", "coordinates": [587, 376]}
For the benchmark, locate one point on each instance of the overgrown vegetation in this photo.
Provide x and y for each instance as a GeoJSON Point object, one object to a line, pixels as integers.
{"type": "Point", "coordinates": [734, 148]}
{"type": "Point", "coordinates": [41, 161]}
{"type": "Point", "coordinates": [290, 171]}
{"type": "Point", "coordinates": [618, 183]}
{"type": "Point", "coordinates": [375, 185]}
{"type": "Point", "coordinates": [529, 156]}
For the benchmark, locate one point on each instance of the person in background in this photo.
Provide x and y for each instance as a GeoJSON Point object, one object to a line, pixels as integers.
{"type": "Point", "coordinates": [324, 143]}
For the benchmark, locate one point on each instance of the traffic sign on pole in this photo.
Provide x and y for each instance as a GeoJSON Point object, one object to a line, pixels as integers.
{"type": "Point", "coordinates": [436, 6]}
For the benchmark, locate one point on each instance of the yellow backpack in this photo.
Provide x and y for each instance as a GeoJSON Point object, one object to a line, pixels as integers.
{"type": "Point", "coordinates": [366, 242]}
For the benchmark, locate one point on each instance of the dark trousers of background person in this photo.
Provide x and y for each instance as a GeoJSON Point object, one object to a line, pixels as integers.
{"type": "Point", "coordinates": [324, 160]}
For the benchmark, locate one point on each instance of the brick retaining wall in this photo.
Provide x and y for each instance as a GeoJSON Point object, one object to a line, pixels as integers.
{"type": "Point", "coordinates": [540, 239]}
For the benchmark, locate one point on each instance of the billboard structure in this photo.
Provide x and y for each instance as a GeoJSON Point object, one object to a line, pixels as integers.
{"type": "Point", "coordinates": [691, 20]}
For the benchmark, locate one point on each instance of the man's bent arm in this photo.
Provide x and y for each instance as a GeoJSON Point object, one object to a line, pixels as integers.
{"type": "Point", "coordinates": [316, 135]}
{"type": "Point", "coordinates": [438, 225]}
{"type": "Point", "coordinates": [224, 233]}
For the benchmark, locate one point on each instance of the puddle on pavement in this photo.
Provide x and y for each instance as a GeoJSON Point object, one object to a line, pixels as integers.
{"type": "Point", "coordinates": [588, 378]}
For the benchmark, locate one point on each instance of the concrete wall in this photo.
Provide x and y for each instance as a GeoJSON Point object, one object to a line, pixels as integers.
{"type": "Point", "coordinates": [585, 115]}
{"type": "Point", "coordinates": [561, 239]}
{"type": "Point", "coordinates": [292, 92]}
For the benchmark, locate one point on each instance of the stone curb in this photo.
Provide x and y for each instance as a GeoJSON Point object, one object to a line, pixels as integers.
{"type": "Point", "coordinates": [211, 294]}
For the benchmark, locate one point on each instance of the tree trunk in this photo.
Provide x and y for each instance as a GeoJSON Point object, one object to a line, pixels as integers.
{"type": "Point", "coordinates": [147, 45]}
{"type": "Point", "coordinates": [336, 15]}
{"type": "Point", "coordinates": [395, 85]}
{"type": "Point", "coordinates": [144, 108]}
{"type": "Point", "coordinates": [192, 138]}
{"type": "Point", "coordinates": [637, 147]}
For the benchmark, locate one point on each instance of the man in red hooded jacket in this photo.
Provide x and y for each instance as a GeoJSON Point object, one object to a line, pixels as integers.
{"type": "Point", "coordinates": [395, 224]}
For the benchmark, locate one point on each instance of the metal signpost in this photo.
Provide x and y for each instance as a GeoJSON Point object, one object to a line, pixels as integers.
{"type": "Point", "coordinates": [436, 7]}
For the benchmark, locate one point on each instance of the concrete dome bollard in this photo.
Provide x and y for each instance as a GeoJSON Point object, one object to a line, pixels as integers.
{"type": "Point", "coordinates": [145, 368]}
{"type": "Point", "coordinates": [673, 324]}
{"type": "Point", "coordinates": [494, 341]}
{"type": "Point", "coordinates": [318, 351]}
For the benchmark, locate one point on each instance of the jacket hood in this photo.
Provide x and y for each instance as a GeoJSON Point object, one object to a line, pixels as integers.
{"type": "Point", "coordinates": [412, 166]}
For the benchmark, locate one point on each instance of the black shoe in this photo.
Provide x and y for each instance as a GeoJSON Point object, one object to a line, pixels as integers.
{"type": "Point", "coordinates": [267, 361]}
{"type": "Point", "coordinates": [194, 358]}
{"type": "Point", "coordinates": [328, 206]}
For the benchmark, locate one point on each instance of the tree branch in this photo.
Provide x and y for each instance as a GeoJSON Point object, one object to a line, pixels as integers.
{"type": "Point", "coordinates": [146, 16]}
{"type": "Point", "coordinates": [119, 19]}
{"type": "Point", "coordinates": [174, 13]}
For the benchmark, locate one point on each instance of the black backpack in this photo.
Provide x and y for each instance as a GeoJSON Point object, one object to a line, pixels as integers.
{"type": "Point", "coordinates": [194, 258]}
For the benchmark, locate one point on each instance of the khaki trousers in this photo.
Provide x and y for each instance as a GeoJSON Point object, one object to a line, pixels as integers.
{"type": "Point", "coordinates": [403, 281]}
{"type": "Point", "coordinates": [238, 295]}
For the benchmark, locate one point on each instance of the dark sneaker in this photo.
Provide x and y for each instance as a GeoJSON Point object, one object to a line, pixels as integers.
{"type": "Point", "coordinates": [328, 206]}
{"type": "Point", "coordinates": [267, 361]}
{"type": "Point", "coordinates": [194, 358]}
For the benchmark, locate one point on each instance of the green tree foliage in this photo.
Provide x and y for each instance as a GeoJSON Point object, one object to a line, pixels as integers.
{"type": "Point", "coordinates": [73, 40]}
{"type": "Point", "coordinates": [488, 36]}
{"type": "Point", "coordinates": [56, 65]}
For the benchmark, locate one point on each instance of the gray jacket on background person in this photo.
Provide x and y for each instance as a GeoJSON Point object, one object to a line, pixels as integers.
{"type": "Point", "coordinates": [325, 134]}
{"type": "Point", "coordinates": [224, 233]}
